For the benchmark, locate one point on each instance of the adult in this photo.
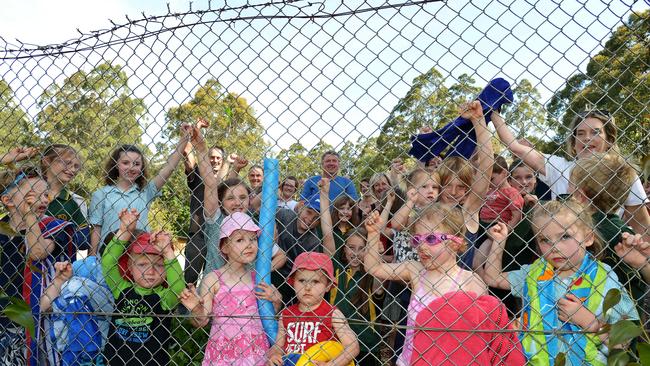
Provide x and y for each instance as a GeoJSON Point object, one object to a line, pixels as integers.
{"type": "Point", "coordinates": [195, 249]}
{"type": "Point", "coordinates": [288, 190]}
{"type": "Point", "coordinates": [330, 164]}
{"type": "Point", "coordinates": [591, 132]}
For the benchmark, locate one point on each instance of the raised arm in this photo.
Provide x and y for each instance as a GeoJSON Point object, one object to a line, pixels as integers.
{"type": "Point", "coordinates": [173, 159]}
{"type": "Point", "coordinates": [38, 247]}
{"type": "Point", "coordinates": [528, 154]}
{"type": "Point", "coordinates": [200, 305]}
{"type": "Point", "coordinates": [63, 272]}
{"type": "Point", "coordinates": [373, 264]}
{"type": "Point", "coordinates": [347, 337]}
{"type": "Point", "coordinates": [401, 218]}
{"type": "Point", "coordinates": [481, 179]}
{"type": "Point", "coordinates": [326, 217]}
{"type": "Point", "coordinates": [210, 182]}
{"type": "Point", "coordinates": [18, 154]}
{"type": "Point", "coordinates": [493, 274]}
{"type": "Point", "coordinates": [277, 350]}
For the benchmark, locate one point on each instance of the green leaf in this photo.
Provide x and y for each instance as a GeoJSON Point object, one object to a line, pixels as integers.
{"type": "Point", "coordinates": [19, 312]}
{"type": "Point", "coordinates": [6, 230]}
{"type": "Point", "coordinates": [560, 359]}
{"type": "Point", "coordinates": [644, 353]}
{"type": "Point", "coordinates": [622, 332]}
{"type": "Point", "coordinates": [612, 298]}
{"type": "Point", "coordinates": [618, 357]}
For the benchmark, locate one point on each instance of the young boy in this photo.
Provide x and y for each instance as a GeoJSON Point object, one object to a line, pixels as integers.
{"type": "Point", "coordinates": [77, 291]}
{"type": "Point", "coordinates": [312, 320]}
{"type": "Point", "coordinates": [146, 282]}
{"type": "Point", "coordinates": [30, 244]}
{"type": "Point", "coordinates": [503, 202]}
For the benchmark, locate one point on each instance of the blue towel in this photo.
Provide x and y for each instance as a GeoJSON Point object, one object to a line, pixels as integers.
{"type": "Point", "coordinates": [459, 135]}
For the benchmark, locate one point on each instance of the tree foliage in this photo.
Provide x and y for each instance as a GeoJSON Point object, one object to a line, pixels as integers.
{"type": "Point", "coordinates": [93, 112]}
{"type": "Point", "coordinates": [16, 129]}
{"type": "Point", "coordinates": [617, 79]}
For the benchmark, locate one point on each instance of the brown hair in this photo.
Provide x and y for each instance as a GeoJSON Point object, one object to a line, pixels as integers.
{"type": "Point", "coordinates": [329, 152]}
{"type": "Point", "coordinates": [500, 164]}
{"type": "Point", "coordinates": [605, 179]}
{"type": "Point", "coordinates": [338, 203]}
{"type": "Point", "coordinates": [451, 220]}
{"type": "Point", "coordinates": [609, 125]}
{"type": "Point", "coordinates": [228, 184]}
{"type": "Point", "coordinates": [572, 207]}
{"type": "Point", "coordinates": [112, 171]}
{"type": "Point", "coordinates": [456, 166]}
{"type": "Point", "coordinates": [7, 177]}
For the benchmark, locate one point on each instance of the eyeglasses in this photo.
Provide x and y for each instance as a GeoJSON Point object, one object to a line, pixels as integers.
{"type": "Point", "coordinates": [434, 238]}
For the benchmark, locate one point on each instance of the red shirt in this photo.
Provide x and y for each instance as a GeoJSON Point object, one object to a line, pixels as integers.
{"type": "Point", "coordinates": [307, 328]}
{"type": "Point", "coordinates": [500, 204]}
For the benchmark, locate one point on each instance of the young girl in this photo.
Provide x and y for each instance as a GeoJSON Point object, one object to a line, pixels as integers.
{"type": "Point", "coordinates": [359, 297]}
{"type": "Point", "coordinates": [228, 297]}
{"type": "Point", "coordinates": [30, 245]}
{"type": "Point", "coordinates": [438, 238]}
{"type": "Point", "coordinates": [221, 199]}
{"type": "Point", "coordinates": [344, 218]}
{"type": "Point", "coordinates": [127, 187]}
{"type": "Point", "coordinates": [465, 185]}
{"type": "Point", "coordinates": [312, 320]}
{"type": "Point", "coordinates": [564, 289]}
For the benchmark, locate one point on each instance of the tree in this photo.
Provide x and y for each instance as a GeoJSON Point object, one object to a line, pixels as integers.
{"type": "Point", "coordinates": [93, 112]}
{"type": "Point", "coordinates": [617, 79]}
{"type": "Point", "coordinates": [16, 129]}
{"type": "Point", "coordinates": [233, 124]}
{"type": "Point", "coordinates": [300, 162]}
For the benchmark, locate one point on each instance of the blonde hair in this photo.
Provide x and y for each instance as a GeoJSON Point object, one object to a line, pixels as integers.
{"type": "Point", "coordinates": [376, 178]}
{"type": "Point", "coordinates": [456, 166]}
{"type": "Point", "coordinates": [571, 207]}
{"type": "Point", "coordinates": [416, 174]}
{"type": "Point", "coordinates": [7, 177]}
{"type": "Point", "coordinates": [450, 221]}
{"type": "Point", "coordinates": [609, 125]}
{"type": "Point", "coordinates": [605, 179]}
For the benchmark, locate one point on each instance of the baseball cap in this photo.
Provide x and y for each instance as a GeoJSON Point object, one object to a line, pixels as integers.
{"type": "Point", "coordinates": [313, 202]}
{"type": "Point", "coordinates": [313, 261]}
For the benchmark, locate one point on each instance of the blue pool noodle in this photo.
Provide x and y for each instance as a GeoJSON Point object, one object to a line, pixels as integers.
{"type": "Point", "coordinates": [263, 262]}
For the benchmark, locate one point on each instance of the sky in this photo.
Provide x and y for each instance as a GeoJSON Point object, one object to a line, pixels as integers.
{"type": "Point", "coordinates": [333, 79]}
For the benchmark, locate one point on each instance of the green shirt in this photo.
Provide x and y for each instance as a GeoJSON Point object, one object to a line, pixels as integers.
{"type": "Point", "coordinates": [69, 207]}
{"type": "Point", "coordinates": [117, 283]}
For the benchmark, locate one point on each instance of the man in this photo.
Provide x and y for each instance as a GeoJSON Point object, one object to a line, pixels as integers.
{"type": "Point", "coordinates": [330, 163]}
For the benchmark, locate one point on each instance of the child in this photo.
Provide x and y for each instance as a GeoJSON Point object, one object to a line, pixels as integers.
{"type": "Point", "coordinates": [30, 245]}
{"type": "Point", "coordinates": [503, 203]}
{"type": "Point", "coordinates": [603, 181]}
{"type": "Point", "coordinates": [76, 291]}
{"type": "Point", "coordinates": [127, 187]}
{"type": "Point", "coordinates": [344, 218]}
{"type": "Point", "coordinates": [438, 238]}
{"type": "Point", "coordinates": [146, 280]}
{"type": "Point", "coordinates": [359, 297]}
{"type": "Point", "coordinates": [312, 320]}
{"type": "Point", "coordinates": [229, 298]}
{"type": "Point", "coordinates": [563, 290]}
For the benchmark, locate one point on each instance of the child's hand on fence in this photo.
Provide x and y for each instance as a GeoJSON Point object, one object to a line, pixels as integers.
{"type": "Point", "coordinates": [397, 168]}
{"type": "Point", "coordinates": [633, 250]}
{"type": "Point", "coordinates": [411, 197]}
{"type": "Point", "coordinates": [472, 111]}
{"type": "Point", "coordinates": [18, 154]}
{"type": "Point", "coordinates": [530, 199]}
{"type": "Point", "coordinates": [202, 123]}
{"type": "Point", "coordinates": [62, 271]}
{"type": "Point", "coordinates": [268, 292]}
{"type": "Point", "coordinates": [374, 223]}
{"type": "Point", "coordinates": [189, 297]}
{"type": "Point", "coordinates": [162, 240]}
{"type": "Point", "coordinates": [275, 357]}
{"type": "Point", "coordinates": [498, 233]}
{"type": "Point", "coordinates": [570, 309]}
{"type": "Point", "coordinates": [128, 219]}
{"type": "Point", "coordinates": [425, 129]}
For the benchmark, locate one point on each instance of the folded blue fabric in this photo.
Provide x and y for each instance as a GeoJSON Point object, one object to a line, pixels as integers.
{"type": "Point", "coordinates": [459, 135]}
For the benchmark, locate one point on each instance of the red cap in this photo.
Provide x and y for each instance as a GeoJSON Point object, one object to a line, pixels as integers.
{"type": "Point", "coordinates": [141, 245]}
{"type": "Point", "coordinates": [313, 261]}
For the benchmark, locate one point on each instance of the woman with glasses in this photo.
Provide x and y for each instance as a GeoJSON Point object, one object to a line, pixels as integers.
{"type": "Point", "coordinates": [591, 132]}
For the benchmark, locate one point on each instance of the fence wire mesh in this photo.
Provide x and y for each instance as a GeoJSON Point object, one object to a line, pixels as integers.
{"type": "Point", "coordinates": [517, 232]}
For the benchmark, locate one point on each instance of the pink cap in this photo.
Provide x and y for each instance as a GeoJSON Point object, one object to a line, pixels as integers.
{"type": "Point", "coordinates": [238, 221]}
{"type": "Point", "coordinates": [313, 261]}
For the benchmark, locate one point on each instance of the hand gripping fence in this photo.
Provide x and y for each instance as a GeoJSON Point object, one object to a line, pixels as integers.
{"type": "Point", "coordinates": [418, 182]}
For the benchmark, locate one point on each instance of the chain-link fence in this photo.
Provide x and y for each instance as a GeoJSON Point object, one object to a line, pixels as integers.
{"type": "Point", "coordinates": [492, 232]}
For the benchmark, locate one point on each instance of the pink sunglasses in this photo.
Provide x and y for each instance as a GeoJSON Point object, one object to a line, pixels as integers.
{"type": "Point", "coordinates": [434, 238]}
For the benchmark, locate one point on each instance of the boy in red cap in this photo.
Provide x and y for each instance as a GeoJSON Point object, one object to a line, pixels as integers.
{"type": "Point", "coordinates": [146, 281]}
{"type": "Point", "coordinates": [312, 319]}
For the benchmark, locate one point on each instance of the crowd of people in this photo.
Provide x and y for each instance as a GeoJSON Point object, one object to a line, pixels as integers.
{"type": "Point", "coordinates": [475, 261]}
